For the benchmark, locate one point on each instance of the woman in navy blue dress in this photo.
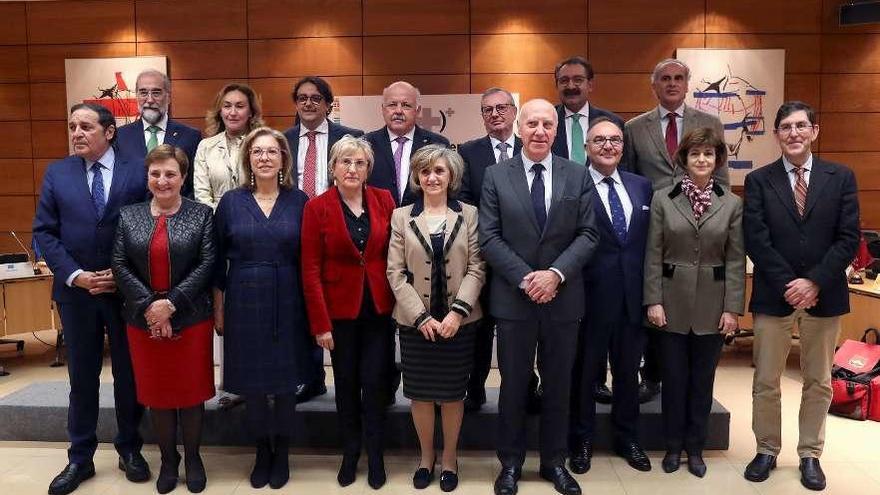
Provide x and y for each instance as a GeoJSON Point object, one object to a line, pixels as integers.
{"type": "Point", "coordinates": [258, 298]}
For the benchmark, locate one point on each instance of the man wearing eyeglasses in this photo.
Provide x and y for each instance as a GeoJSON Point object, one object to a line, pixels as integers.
{"type": "Point", "coordinates": [574, 83]}
{"type": "Point", "coordinates": [310, 142]}
{"type": "Point", "coordinates": [801, 229]}
{"type": "Point", "coordinates": [398, 140]}
{"type": "Point", "coordinates": [135, 140]}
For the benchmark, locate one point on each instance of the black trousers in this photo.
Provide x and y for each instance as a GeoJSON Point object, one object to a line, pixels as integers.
{"type": "Point", "coordinates": [620, 342]}
{"type": "Point", "coordinates": [317, 356]}
{"type": "Point", "coordinates": [264, 420]}
{"type": "Point", "coordinates": [360, 374]}
{"type": "Point", "coordinates": [689, 363]}
{"type": "Point", "coordinates": [483, 338]}
{"type": "Point", "coordinates": [555, 343]}
{"type": "Point", "coordinates": [652, 370]}
{"type": "Point", "coordinates": [85, 324]}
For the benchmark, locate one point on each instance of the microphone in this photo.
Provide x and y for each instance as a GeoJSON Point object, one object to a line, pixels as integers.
{"type": "Point", "coordinates": [25, 249]}
{"type": "Point", "coordinates": [14, 265]}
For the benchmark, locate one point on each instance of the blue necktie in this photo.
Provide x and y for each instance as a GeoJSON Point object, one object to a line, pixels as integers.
{"type": "Point", "coordinates": [538, 195]}
{"type": "Point", "coordinates": [618, 219]}
{"type": "Point", "coordinates": [98, 189]}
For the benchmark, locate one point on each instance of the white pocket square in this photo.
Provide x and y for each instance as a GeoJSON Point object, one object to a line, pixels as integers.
{"type": "Point", "coordinates": [645, 207]}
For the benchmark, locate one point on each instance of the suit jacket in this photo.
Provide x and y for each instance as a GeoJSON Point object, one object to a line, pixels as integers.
{"type": "Point", "coordinates": [560, 144]}
{"type": "Point", "coordinates": [130, 142]}
{"type": "Point", "coordinates": [383, 174]}
{"type": "Point", "coordinates": [66, 227]}
{"type": "Point", "coordinates": [784, 246]}
{"type": "Point", "coordinates": [514, 246]}
{"type": "Point", "coordinates": [333, 270]}
{"type": "Point", "coordinates": [410, 259]}
{"type": "Point", "coordinates": [645, 153]}
{"type": "Point", "coordinates": [478, 155]}
{"type": "Point", "coordinates": [695, 269]}
{"type": "Point", "coordinates": [615, 273]}
{"type": "Point", "coordinates": [214, 173]}
{"type": "Point", "coordinates": [334, 133]}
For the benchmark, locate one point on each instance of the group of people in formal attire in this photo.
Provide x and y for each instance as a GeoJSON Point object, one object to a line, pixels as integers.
{"type": "Point", "coordinates": [581, 242]}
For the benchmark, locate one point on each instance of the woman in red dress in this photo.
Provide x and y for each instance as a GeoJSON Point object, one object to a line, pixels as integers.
{"type": "Point", "coordinates": [163, 262]}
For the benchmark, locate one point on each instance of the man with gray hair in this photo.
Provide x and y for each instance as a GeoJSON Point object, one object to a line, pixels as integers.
{"type": "Point", "coordinates": [154, 127]}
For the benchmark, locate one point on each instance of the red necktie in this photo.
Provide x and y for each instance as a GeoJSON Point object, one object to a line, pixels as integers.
{"type": "Point", "coordinates": [310, 168]}
{"type": "Point", "coordinates": [800, 190]}
{"type": "Point", "coordinates": [671, 134]}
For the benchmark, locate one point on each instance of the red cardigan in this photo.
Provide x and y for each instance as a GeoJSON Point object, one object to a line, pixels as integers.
{"type": "Point", "coordinates": [333, 269]}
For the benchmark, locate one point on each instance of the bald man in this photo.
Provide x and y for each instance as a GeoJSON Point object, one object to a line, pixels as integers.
{"type": "Point", "coordinates": [537, 231]}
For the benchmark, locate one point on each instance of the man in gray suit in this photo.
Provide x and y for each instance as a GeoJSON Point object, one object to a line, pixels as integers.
{"type": "Point", "coordinates": [650, 141]}
{"type": "Point", "coordinates": [537, 231]}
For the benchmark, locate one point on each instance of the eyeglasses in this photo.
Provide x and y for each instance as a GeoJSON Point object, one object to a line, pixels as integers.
{"type": "Point", "coordinates": [155, 93]}
{"type": "Point", "coordinates": [601, 141]}
{"type": "Point", "coordinates": [801, 127]}
{"type": "Point", "coordinates": [358, 164]}
{"type": "Point", "coordinates": [270, 152]}
{"type": "Point", "coordinates": [501, 108]}
{"type": "Point", "coordinates": [577, 80]}
{"type": "Point", "coordinates": [303, 99]}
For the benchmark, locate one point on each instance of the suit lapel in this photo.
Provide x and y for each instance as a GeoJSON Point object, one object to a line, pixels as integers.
{"type": "Point", "coordinates": [517, 175]}
{"type": "Point", "coordinates": [635, 200]}
{"type": "Point", "coordinates": [172, 134]}
{"type": "Point", "coordinates": [653, 123]}
{"type": "Point", "coordinates": [117, 184]}
{"type": "Point", "coordinates": [517, 146]}
{"type": "Point", "coordinates": [560, 173]}
{"type": "Point", "coordinates": [82, 180]}
{"type": "Point", "coordinates": [339, 214]}
{"type": "Point", "coordinates": [683, 205]}
{"type": "Point", "coordinates": [688, 120]}
{"type": "Point", "coordinates": [602, 215]}
{"type": "Point", "coordinates": [384, 150]}
{"type": "Point", "coordinates": [715, 207]}
{"type": "Point", "coordinates": [294, 146]}
{"type": "Point", "coordinates": [488, 153]}
{"type": "Point", "coordinates": [780, 183]}
{"type": "Point", "coordinates": [819, 177]}
{"type": "Point", "coordinates": [560, 144]}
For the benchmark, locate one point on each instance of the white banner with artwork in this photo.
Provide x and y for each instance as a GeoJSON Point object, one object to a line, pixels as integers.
{"type": "Point", "coordinates": [109, 82]}
{"type": "Point", "coordinates": [744, 88]}
{"type": "Point", "coordinates": [457, 117]}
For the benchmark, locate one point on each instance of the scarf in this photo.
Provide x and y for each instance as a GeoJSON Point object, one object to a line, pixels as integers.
{"type": "Point", "coordinates": [701, 199]}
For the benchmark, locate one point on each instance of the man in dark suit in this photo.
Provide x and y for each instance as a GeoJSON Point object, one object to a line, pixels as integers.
{"type": "Point", "coordinates": [310, 142]}
{"type": "Point", "coordinates": [574, 83]}
{"type": "Point", "coordinates": [500, 143]}
{"type": "Point", "coordinates": [155, 127]}
{"type": "Point", "coordinates": [612, 324]}
{"type": "Point", "coordinates": [74, 227]}
{"type": "Point", "coordinates": [537, 231]}
{"type": "Point", "coordinates": [398, 140]}
{"type": "Point", "coordinates": [801, 229]}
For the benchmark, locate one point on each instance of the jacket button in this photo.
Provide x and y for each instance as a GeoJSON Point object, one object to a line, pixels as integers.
{"type": "Point", "coordinates": [424, 295]}
{"type": "Point", "coordinates": [696, 250]}
{"type": "Point", "coordinates": [695, 262]}
{"type": "Point", "coordinates": [426, 278]}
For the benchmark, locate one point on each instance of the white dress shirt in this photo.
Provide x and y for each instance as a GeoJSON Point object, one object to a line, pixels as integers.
{"type": "Point", "coordinates": [603, 189]}
{"type": "Point", "coordinates": [585, 124]}
{"type": "Point", "coordinates": [510, 143]}
{"type": "Point", "coordinates": [403, 178]}
{"type": "Point", "coordinates": [160, 134]}
{"type": "Point", "coordinates": [322, 138]}
{"type": "Point", "coordinates": [792, 178]}
{"type": "Point", "coordinates": [664, 122]}
{"type": "Point", "coordinates": [107, 160]}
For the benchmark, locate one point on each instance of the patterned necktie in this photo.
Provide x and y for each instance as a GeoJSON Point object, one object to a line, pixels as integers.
{"type": "Point", "coordinates": [537, 194]}
{"type": "Point", "coordinates": [502, 147]}
{"type": "Point", "coordinates": [398, 156]}
{"type": "Point", "coordinates": [577, 140]}
{"type": "Point", "coordinates": [618, 218]}
{"type": "Point", "coordinates": [800, 190]}
{"type": "Point", "coordinates": [310, 167]}
{"type": "Point", "coordinates": [672, 134]}
{"type": "Point", "coordinates": [154, 137]}
{"type": "Point", "coordinates": [98, 189]}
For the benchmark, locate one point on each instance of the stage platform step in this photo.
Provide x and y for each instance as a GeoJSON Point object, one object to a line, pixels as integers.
{"type": "Point", "coordinates": [38, 412]}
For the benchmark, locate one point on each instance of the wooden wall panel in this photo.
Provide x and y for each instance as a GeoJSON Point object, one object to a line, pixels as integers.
{"type": "Point", "coordinates": [850, 53]}
{"type": "Point", "coordinates": [518, 53]}
{"type": "Point", "coordinates": [427, 84]}
{"type": "Point", "coordinates": [865, 165]}
{"type": "Point", "coordinates": [400, 17]}
{"type": "Point", "coordinates": [761, 16]}
{"type": "Point", "coordinates": [869, 211]}
{"type": "Point", "coordinates": [173, 20]}
{"type": "Point", "coordinates": [16, 176]}
{"type": "Point", "coordinates": [646, 16]}
{"type": "Point", "coordinates": [275, 92]}
{"type": "Point", "coordinates": [199, 59]}
{"type": "Point", "coordinates": [8, 245]}
{"type": "Point", "coordinates": [14, 17]}
{"type": "Point", "coordinates": [849, 132]}
{"type": "Point", "coordinates": [48, 101]}
{"type": "Point", "coordinates": [280, 122]}
{"type": "Point", "coordinates": [46, 62]}
{"type": "Point", "coordinates": [16, 142]}
{"type": "Point", "coordinates": [18, 213]}
{"type": "Point", "coordinates": [284, 18]}
{"type": "Point", "coordinates": [192, 98]}
{"type": "Point", "coordinates": [636, 52]}
{"type": "Point", "coordinates": [629, 93]}
{"type": "Point", "coordinates": [804, 87]}
{"type": "Point", "coordinates": [14, 102]}
{"type": "Point", "coordinates": [50, 139]}
{"type": "Point", "coordinates": [13, 64]}
{"type": "Point", "coordinates": [549, 16]}
{"type": "Point", "coordinates": [831, 18]}
{"type": "Point", "coordinates": [800, 49]}
{"type": "Point", "coordinates": [528, 86]}
{"type": "Point", "coordinates": [80, 22]}
{"type": "Point", "coordinates": [40, 166]}
{"type": "Point", "coordinates": [444, 54]}
{"type": "Point", "coordinates": [847, 93]}
{"type": "Point", "coordinates": [194, 122]}
{"type": "Point", "coordinates": [288, 58]}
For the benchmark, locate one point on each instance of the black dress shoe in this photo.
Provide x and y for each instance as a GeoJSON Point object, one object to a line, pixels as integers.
{"type": "Point", "coordinates": [562, 481]}
{"type": "Point", "coordinates": [696, 465]}
{"type": "Point", "coordinates": [168, 474]}
{"type": "Point", "coordinates": [423, 477]}
{"type": "Point", "coordinates": [376, 472]}
{"type": "Point", "coordinates": [760, 467]}
{"type": "Point", "coordinates": [135, 466]}
{"type": "Point", "coordinates": [308, 391]}
{"type": "Point", "coordinates": [70, 477]}
{"type": "Point", "coordinates": [634, 456]}
{"type": "Point", "coordinates": [648, 390]}
{"type": "Point", "coordinates": [580, 458]}
{"type": "Point", "coordinates": [449, 479]}
{"type": "Point", "coordinates": [602, 394]}
{"type": "Point", "coordinates": [196, 479]}
{"type": "Point", "coordinates": [347, 470]}
{"type": "Point", "coordinates": [262, 464]}
{"type": "Point", "coordinates": [812, 476]}
{"type": "Point", "coordinates": [505, 483]}
{"type": "Point", "coordinates": [671, 462]}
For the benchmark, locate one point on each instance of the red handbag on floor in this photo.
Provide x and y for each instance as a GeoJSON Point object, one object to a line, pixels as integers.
{"type": "Point", "coordinates": [855, 379]}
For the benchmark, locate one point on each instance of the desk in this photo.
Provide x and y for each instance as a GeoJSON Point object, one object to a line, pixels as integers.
{"type": "Point", "coordinates": [26, 306]}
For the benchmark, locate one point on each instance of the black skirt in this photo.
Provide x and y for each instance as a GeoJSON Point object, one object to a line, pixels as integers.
{"type": "Point", "coordinates": [436, 371]}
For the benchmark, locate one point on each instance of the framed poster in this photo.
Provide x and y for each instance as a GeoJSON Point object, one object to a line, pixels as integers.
{"type": "Point", "coordinates": [744, 88]}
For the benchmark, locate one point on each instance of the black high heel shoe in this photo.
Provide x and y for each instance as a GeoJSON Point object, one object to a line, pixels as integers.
{"type": "Point", "coordinates": [196, 479]}
{"type": "Point", "coordinates": [347, 470]}
{"type": "Point", "coordinates": [449, 479]}
{"type": "Point", "coordinates": [671, 462]}
{"type": "Point", "coordinates": [696, 465]}
{"type": "Point", "coordinates": [423, 476]}
{"type": "Point", "coordinates": [168, 474]}
{"type": "Point", "coordinates": [376, 472]}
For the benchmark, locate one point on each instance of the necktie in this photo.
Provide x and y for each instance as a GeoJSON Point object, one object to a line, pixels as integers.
{"type": "Point", "coordinates": [98, 189]}
{"type": "Point", "coordinates": [502, 147]}
{"type": "Point", "coordinates": [618, 218]}
{"type": "Point", "coordinates": [577, 140]}
{"type": "Point", "coordinates": [310, 167]}
{"type": "Point", "coordinates": [537, 194]}
{"type": "Point", "coordinates": [672, 134]}
{"type": "Point", "coordinates": [154, 138]}
{"type": "Point", "coordinates": [398, 156]}
{"type": "Point", "coordinates": [800, 190]}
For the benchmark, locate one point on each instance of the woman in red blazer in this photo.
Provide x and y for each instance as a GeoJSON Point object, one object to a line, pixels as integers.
{"type": "Point", "coordinates": [345, 234]}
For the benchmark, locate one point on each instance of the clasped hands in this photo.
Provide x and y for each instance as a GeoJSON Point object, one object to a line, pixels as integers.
{"type": "Point", "coordinates": [99, 282]}
{"type": "Point", "coordinates": [726, 325]}
{"type": "Point", "coordinates": [447, 328]}
{"type": "Point", "coordinates": [158, 316]}
{"type": "Point", "coordinates": [541, 285]}
{"type": "Point", "coordinates": [801, 293]}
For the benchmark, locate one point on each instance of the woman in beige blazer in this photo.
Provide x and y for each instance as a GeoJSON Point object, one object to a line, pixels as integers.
{"type": "Point", "coordinates": [217, 166]}
{"type": "Point", "coordinates": [436, 273]}
{"type": "Point", "coordinates": [694, 289]}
